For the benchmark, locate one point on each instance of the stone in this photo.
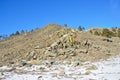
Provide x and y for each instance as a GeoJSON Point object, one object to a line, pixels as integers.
{"type": "Point", "coordinates": [12, 69]}
{"type": "Point", "coordinates": [39, 78]}
{"type": "Point", "coordinates": [42, 69]}
{"type": "Point", "coordinates": [92, 67]}
{"type": "Point", "coordinates": [37, 47]}
{"type": "Point", "coordinates": [17, 64]}
{"type": "Point", "coordinates": [52, 62]}
{"type": "Point", "coordinates": [86, 43]}
{"type": "Point", "coordinates": [34, 62]}
{"type": "Point", "coordinates": [49, 64]}
{"type": "Point", "coordinates": [11, 62]}
{"type": "Point", "coordinates": [96, 47]}
{"type": "Point", "coordinates": [87, 72]}
{"type": "Point", "coordinates": [83, 51]}
{"type": "Point", "coordinates": [73, 53]}
{"type": "Point", "coordinates": [107, 40]}
{"type": "Point", "coordinates": [76, 64]}
{"type": "Point", "coordinates": [23, 62]}
{"type": "Point", "coordinates": [107, 51]}
{"type": "Point", "coordinates": [108, 54]}
{"type": "Point", "coordinates": [51, 55]}
{"type": "Point", "coordinates": [33, 55]}
{"type": "Point", "coordinates": [62, 73]}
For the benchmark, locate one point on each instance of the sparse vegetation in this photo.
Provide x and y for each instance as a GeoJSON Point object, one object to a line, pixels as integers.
{"type": "Point", "coordinates": [107, 33]}
{"type": "Point", "coordinates": [112, 32]}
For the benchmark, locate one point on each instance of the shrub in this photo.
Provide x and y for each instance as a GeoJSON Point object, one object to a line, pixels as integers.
{"type": "Point", "coordinates": [17, 33]}
{"type": "Point", "coordinates": [91, 31]}
{"type": "Point", "coordinates": [107, 33]}
{"type": "Point", "coordinates": [118, 33]}
{"type": "Point", "coordinates": [96, 33]}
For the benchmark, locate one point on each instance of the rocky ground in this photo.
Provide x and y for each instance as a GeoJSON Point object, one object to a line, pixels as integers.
{"type": "Point", "coordinates": [56, 52]}
{"type": "Point", "coordinates": [102, 70]}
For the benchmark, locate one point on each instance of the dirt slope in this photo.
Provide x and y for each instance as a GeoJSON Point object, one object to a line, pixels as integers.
{"type": "Point", "coordinates": [55, 42]}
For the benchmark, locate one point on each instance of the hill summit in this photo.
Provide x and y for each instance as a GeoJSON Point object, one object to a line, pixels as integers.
{"type": "Point", "coordinates": [55, 42]}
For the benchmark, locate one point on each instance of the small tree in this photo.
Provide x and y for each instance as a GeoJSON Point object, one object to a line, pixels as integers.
{"type": "Point", "coordinates": [80, 28]}
{"type": "Point", "coordinates": [22, 31]}
{"type": "Point", "coordinates": [17, 33]}
{"type": "Point", "coordinates": [0, 37]}
{"type": "Point", "coordinates": [65, 25]}
{"type": "Point", "coordinates": [3, 37]}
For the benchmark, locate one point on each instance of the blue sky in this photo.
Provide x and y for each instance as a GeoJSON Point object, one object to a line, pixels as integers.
{"type": "Point", "coordinates": [29, 14]}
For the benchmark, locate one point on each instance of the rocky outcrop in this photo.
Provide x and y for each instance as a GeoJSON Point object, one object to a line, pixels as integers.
{"type": "Point", "coordinates": [56, 43]}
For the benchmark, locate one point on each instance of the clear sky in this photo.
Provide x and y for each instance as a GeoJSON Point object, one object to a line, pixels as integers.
{"type": "Point", "coordinates": [29, 14]}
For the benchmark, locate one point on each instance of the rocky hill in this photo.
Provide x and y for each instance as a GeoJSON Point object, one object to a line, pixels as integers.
{"type": "Point", "coordinates": [55, 42]}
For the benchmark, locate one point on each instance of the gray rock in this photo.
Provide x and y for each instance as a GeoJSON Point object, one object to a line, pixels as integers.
{"type": "Point", "coordinates": [76, 64]}
{"type": "Point", "coordinates": [107, 40]}
{"type": "Point", "coordinates": [96, 47]}
{"type": "Point", "coordinates": [40, 78]}
{"type": "Point", "coordinates": [92, 67]}
{"type": "Point", "coordinates": [49, 64]}
{"type": "Point", "coordinates": [12, 69]}
{"type": "Point", "coordinates": [37, 47]}
{"type": "Point", "coordinates": [11, 62]}
{"type": "Point", "coordinates": [33, 55]}
{"type": "Point", "coordinates": [86, 43]}
{"type": "Point", "coordinates": [83, 51]}
{"type": "Point", "coordinates": [73, 53]}
{"type": "Point", "coordinates": [23, 62]}
{"type": "Point", "coordinates": [51, 55]}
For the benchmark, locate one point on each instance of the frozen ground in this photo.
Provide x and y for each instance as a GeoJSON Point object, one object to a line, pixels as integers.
{"type": "Point", "coordinates": [104, 70]}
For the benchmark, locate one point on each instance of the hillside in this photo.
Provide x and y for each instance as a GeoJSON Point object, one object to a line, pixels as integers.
{"type": "Point", "coordinates": [55, 42]}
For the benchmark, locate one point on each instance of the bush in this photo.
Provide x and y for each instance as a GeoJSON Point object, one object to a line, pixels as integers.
{"type": "Point", "coordinates": [17, 33]}
{"type": "Point", "coordinates": [107, 33]}
{"type": "Point", "coordinates": [91, 31]}
{"type": "Point", "coordinates": [96, 33]}
{"type": "Point", "coordinates": [118, 33]}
